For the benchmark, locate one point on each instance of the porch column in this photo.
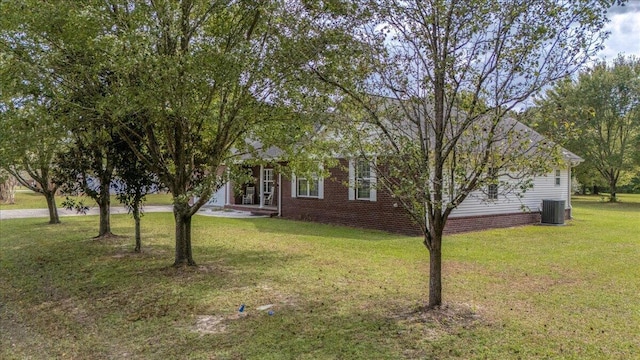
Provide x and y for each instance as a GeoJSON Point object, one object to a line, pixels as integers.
{"type": "Point", "coordinates": [279, 194]}
{"type": "Point", "coordinates": [228, 189]}
{"type": "Point", "coordinates": [261, 185]}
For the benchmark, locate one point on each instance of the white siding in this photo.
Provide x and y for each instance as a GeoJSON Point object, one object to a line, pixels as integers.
{"type": "Point", "coordinates": [544, 188]}
{"type": "Point", "coordinates": [219, 198]}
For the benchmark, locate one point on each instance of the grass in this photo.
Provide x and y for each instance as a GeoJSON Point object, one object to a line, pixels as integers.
{"type": "Point", "coordinates": [27, 199]}
{"type": "Point", "coordinates": [337, 293]}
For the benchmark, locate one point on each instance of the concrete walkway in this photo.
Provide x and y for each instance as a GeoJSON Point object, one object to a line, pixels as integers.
{"type": "Point", "coordinates": [44, 213]}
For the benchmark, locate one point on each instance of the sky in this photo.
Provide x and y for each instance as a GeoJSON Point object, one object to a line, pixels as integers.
{"type": "Point", "coordinates": [624, 26]}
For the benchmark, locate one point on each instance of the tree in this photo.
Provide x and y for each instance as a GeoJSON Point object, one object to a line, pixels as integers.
{"type": "Point", "coordinates": [88, 164]}
{"type": "Point", "coordinates": [586, 175]}
{"type": "Point", "coordinates": [31, 139]}
{"type": "Point", "coordinates": [449, 74]}
{"type": "Point", "coordinates": [597, 115]}
{"type": "Point", "coordinates": [32, 133]}
{"type": "Point", "coordinates": [87, 167]}
{"type": "Point", "coordinates": [133, 182]}
{"type": "Point", "coordinates": [65, 78]}
{"type": "Point", "coordinates": [205, 77]}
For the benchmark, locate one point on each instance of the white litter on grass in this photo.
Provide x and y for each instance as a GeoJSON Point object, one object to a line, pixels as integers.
{"type": "Point", "coordinates": [207, 324]}
{"type": "Point", "coordinates": [264, 307]}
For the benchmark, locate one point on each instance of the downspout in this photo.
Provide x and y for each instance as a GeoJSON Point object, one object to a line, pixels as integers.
{"type": "Point", "coordinates": [569, 192]}
{"type": "Point", "coordinates": [279, 195]}
{"type": "Point", "coordinates": [227, 193]}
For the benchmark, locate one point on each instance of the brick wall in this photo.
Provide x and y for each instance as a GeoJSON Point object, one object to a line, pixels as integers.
{"type": "Point", "coordinates": [383, 214]}
{"type": "Point", "coordinates": [336, 208]}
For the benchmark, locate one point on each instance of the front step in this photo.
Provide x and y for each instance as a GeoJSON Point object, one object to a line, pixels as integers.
{"type": "Point", "coordinates": [254, 211]}
{"type": "Point", "coordinates": [262, 212]}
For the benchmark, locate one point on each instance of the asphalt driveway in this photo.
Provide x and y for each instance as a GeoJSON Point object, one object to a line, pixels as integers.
{"type": "Point", "coordinates": [44, 213]}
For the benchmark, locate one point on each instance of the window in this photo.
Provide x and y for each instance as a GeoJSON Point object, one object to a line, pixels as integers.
{"type": "Point", "coordinates": [492, 188]}
{"type": "Point", "coordinates": [308, 187]}
{"type": "Point", "coordinates": [362, 180]}
{"type": "Point", "coordinates": [268, 181]}
{"type": "Point", "coordinates": [492, 192]}
{"type": "Point", "coordinates": [557, 178]}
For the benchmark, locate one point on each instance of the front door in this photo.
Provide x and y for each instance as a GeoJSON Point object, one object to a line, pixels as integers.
{"type": "Point", "coordinates": [268, 186]}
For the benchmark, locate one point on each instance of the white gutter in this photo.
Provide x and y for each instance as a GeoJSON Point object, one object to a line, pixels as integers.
{"type": "Point", "coordinates": [279, 195]}
{"type": "Point", "coordinates": [569, 189]}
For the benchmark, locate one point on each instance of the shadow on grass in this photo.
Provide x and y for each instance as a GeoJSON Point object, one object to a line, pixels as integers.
{"type": "Point", "coordinates": [303, 228]}
{"type": "Point", "coordinates": [91, 270]}
{"type": "Point", "coordinates": [98, 299]}
{"type": "Point", "coordinates": [220, 267]}
{"type": "Point", "coordinates": [595, 202]}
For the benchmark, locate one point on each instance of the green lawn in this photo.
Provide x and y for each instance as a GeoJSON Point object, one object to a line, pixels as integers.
{"type": "Point", "coordinates": [525, 293]}
{"type": "Point", "coordinates": [27, 199]}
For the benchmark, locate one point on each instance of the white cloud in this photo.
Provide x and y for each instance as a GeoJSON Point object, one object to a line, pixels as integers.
{"type": "Point", "coordinates": [630, 6]}
{"type": "Point", "coordinates": [624, 27]}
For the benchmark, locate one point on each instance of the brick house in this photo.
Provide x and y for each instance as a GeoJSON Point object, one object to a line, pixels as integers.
{"type": "Point", "coordinates": [335, 199]}
{"type": "Point", "coordinates": [349, 196]}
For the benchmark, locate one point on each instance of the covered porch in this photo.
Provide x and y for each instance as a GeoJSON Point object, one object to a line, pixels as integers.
{"type": "Point", "coordinates": [260, 195]}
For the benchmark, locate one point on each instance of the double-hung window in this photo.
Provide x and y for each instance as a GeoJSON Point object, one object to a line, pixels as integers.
{"type": "Point", "coordinates": [307, 187]}
{"type": "Point", "coordinates": [492, 188]}
{"type": "Point", "coordinates": [362, 180]}
{"type": "Point", "coordinates": [557, 178]}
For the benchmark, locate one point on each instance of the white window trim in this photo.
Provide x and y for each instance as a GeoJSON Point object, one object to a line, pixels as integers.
{"type": "Point", "coordinates": [373, 193]}
{"type": "Point", "coordinates": [294, 187]}
{"type": "Point", "coordinates": [313, 179]}
{"type": "Point", "coordinates": [557, 177]}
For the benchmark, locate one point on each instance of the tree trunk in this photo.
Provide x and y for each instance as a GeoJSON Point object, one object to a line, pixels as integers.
{"type": "Point", "coordinates": [3, 195]}
{"type": "Point", "coordinates": [136, 218]}
{"type": "Point", "coordinates": [105, 221]}
{"type": "Point", "coordinates": [51, 204]}
{"type": "Point", "coordinates": [184, 255]}
{"type": "Point", "coordinates": [8, 190]}
{"type": "Point", "coordinates": [435, 272]}
{"type": "Point", "coordinates": [613, 189]}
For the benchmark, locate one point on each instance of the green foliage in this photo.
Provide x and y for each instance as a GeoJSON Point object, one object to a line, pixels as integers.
{"type": "Point", "coordinates": [633, 185]}
{"type": "Point", "coordinates": [31, 129]}
{"type": "Point", "coordinates": [75, 204]}
{"type": "Point", "coordinates": [597, 115]}
{"type": "Point", "coordinates": [442, 79]}
{"type": "Point", "coordinates": [446, 77]}
{"type": "Point", "coordinates": [205, 82]}
{"type": "Point", "coordinates": [133, 178]}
